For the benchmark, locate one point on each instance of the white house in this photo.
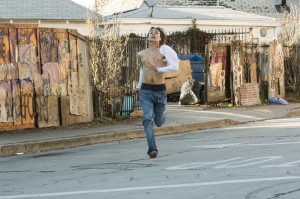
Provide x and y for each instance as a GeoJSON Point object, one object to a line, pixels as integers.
{"type": "Point", "coordinates": [171, 15]}
{"type": "Point", "coordinates": [179, 17]}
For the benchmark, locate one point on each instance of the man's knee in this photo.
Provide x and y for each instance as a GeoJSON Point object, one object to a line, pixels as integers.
{"type": "Point", "coordinates": [160, 122]}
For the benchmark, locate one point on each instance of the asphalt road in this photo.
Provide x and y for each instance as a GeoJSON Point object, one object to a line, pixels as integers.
{"type": "Point", "coordinates": [253, 161]}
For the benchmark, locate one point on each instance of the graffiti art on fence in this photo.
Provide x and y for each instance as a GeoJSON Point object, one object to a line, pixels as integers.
{"type": "Point", "coordinates": [27, 54]}
{"type": "Point", "coordinates": [217, 68]}
{"type": "Point", "coordinates": [27, 64]}
{"type": "Point", "coordinates": [215, 71]}
{"type": "Point", "coordinates": [4, 46]}
{"type": "Point", "coordinates": [213, 56]}
{"type": "Point", "coordinates": [6, 107]}
{"type": "Point", "coordinates": [54, 75]}
{"type": "Point", "coordinates": [63, 49]}
{"type": "Point", "coordinates": [49, 48]}
{"type": "Point", "coordinates": [27, 102]}
{"type": "Point", "coordinates": [16, 85]}
{"type": "Point", "coordinates": [46, 84]}
{"type": "Point", "coordinates": [29, 92]}
{"type": "Point", "coordinates": [42, 109]}
{"type": "Point", "coordinates": [222, 80]}
{"type": "Point", "coordinates": [63, 82]}
{"type": "Point", "coordinates": [64, 65]}
{"type": "Point", "coordinates": [47, 110]}
{"type": "Point", "coordinates": [222, 57]}
{"type": "Point", "coordinates": [26, 36]}
{"type": "Point", "coordinates": [24, 54]}
{"type": "Point", "coordinates": [13, 47]}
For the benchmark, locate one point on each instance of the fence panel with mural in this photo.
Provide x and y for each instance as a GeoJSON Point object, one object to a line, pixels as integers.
{"type": "Point", "coordinates": [40, 85]}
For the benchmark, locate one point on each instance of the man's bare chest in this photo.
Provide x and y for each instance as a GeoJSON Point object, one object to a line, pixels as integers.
{"type": "Point", "coordinates": [152, 56]}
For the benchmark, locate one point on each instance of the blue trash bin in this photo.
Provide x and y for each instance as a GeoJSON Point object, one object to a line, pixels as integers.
{"type": "Point", "coordinates": [197, 65]}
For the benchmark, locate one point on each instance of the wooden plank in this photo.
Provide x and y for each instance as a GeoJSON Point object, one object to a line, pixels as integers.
{"type": "Point", "coordinates": [73, 54]}
{"type": "Point", "coordinates": [39, 59]}
{"type": "Point", "coordinates": [48, 46]}
{"type": "Point", "coordinates": [18, 26]}
{"type": "Point", "coordinates": [215, 97]}
{"type": "Point", "coordinates": [66, 116]}
{"type": "Point", "coordinates": [61, 34]}
{"type": "Point", "coordinates": [216, 66]}
{"type": "Point", "coordinates": [63, 50]}
{"type": "Point", "coordinates": [16, 85]}
{"type": "Point", "coordinates": [236, 71]}
{"type": "Point", "coordinates": [6, 126]}
{"type": "Point", "coordinates": [76, 34]}
{"type": "Point", "coordinates": [47, 109]}
{"type": "Point", "coordinates": [27, 36]}
{"type": "Point", "coordinates": [11, 127]}
{"type": "Point", "coordinates": [27, 102]}
{"type": "Point", "coordinates": [52, 69]}
{"type": "Point", "coordinates": [4, 46]}
{"type": "Point", "coordinates": [13, 47]}
{"type": "Point", "coordinates": [6, 102]}
{"type": "Point", "coordinates": [85, 88]}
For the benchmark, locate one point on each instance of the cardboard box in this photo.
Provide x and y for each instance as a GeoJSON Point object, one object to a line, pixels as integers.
{"type": "Point", "coordinates": [173, 85]}
{"type": "Point", "coordinates": [184, 69]}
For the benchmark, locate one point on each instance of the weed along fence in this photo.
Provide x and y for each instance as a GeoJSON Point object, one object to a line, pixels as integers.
{"type": "Point", "coordinates": [44, 77]}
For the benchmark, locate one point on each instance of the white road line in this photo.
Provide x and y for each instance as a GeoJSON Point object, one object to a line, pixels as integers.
{"type": "Point", "coordinates": [219, 146]}
{"type": "Point", "coordinates": [270, 125]}
{"type": "Point", "coordinates": [151, 187]}
{"type": "Point", "coordinates": [286, 165]}
{"type": "Point", "coordinates": [200, 164]}
{"type": "Point", "coordinates": [248, 162]}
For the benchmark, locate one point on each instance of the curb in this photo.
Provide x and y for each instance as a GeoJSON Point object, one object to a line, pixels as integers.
{"type": "Point", "coordinates": [48, 145]}
{"type": "Point", "coordinates": [294, 113]}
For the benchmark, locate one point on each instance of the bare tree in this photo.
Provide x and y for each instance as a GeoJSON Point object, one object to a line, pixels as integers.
{"type": "Point", "coordinates": [106, 55]}
{"type": "Point", "coordinates": [291, 39]}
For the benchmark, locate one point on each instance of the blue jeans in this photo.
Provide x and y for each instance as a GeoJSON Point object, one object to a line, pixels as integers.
{"type": "Point", "coordinates": [154, 106]}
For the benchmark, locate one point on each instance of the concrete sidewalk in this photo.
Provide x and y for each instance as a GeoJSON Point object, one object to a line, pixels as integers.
{"type": "Point", "coordinates": [179, 119]}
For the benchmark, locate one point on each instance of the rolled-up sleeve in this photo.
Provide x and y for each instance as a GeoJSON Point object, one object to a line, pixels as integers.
{"type": "Point", "coordinates": [171, 59]}
{"type": "Point", "coordinates": [140, 79]}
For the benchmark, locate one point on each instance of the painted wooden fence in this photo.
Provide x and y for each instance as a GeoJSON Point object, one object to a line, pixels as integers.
{"type": "Point", "coordinates": [44, 77]}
